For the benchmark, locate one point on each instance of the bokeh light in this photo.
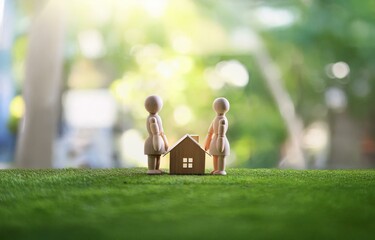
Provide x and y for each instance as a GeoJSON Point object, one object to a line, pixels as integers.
{"type": "Point", "coordinates": [91, 43]}
{"type": "Point", "coordinates": [272, 17]}
{"type": "Point", "coordinates": [233, 72]}
{"type": "Point", "coordinates": [340, 70]}
{"type": "Point", "coordinates": [244, 40]}
{"type": "Point", "coordinates": [316, 136]}
{"type": "Point", "coordinates": [131, 148]}
{"type": "Point", "coordinates": [182, 115]}
{"type": "Point", "coordinates": [90, 108]}
{"type": "Point", "coordinates": [1, 12]}
{"type": "Point", "coordinates": [154, 8]}
{"type": "Point", "coordinates": [336, 99]}
{"type": "Point", "coordinates": [213, 79]}
{"type": "Point", "coordinates": [337, 70]}
{"type": "Point", "coordinates": [17, 107]}
{"type": "Point", "coordinates": [182, 44]}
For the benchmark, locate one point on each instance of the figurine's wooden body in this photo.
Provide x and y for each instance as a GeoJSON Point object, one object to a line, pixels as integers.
{"type": "Point", "coordinates": [216, 140]}
{"type": "Point", "coordinates": [156, 144]}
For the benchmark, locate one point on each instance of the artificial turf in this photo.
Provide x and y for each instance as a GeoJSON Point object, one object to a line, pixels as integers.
{"type": "Point", "coordinates": [128, 204]}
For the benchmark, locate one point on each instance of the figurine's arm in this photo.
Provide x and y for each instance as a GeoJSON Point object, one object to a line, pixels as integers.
{"type": "Point", "coordinates": [207, 142]}
{"type": "Point", "coordinates": [221, 133]}
{"type": "Point", "coordinates": [156, 141]}
{"type": "Point", "coordinates": [166, 146]}
{"type": "Point", "coordinates": [163, 136]}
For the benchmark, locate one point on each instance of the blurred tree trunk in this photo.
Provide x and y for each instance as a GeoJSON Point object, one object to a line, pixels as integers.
{"type": "Point", "coordinates": [368, 142]}
{"type": "Point", "coordinates": [294, 153]}
{"type": "Point", "coordinates": [345, 142]}
{"type": "Point", "coordinates": [41, 88]}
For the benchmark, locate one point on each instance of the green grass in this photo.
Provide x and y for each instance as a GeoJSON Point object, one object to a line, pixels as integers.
{"type": "Point", "coordinates": [246, 204]}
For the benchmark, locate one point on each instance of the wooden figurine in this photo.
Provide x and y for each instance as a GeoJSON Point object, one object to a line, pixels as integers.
{"type": "Point", "coordinates": [156, 144]}
{"type": "Point", "coordinates": [216, 141]}
{"type": "Point", "coordinates": [187, 156]}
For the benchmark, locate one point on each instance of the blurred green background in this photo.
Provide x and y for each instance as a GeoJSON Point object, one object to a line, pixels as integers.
{"type": "Point", "coordinates": [299, 76]}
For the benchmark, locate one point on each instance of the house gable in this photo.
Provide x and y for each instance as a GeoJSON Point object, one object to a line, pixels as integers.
{"type": "Point", "coordinates": [187, 136]}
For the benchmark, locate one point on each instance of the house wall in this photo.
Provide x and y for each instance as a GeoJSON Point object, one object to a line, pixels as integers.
{"type": "Point", "coordinates": [187, 149]}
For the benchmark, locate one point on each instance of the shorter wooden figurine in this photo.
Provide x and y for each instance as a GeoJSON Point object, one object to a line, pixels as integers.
{"type": "Point", "coordinates": [187, 156]}
{"type": "Point", "coordinates": [216, 141]}
{"type": "Point", "coordinates": [156, 144]}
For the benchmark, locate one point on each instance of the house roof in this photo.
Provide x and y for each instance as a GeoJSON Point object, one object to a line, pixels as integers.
{"type": "Point", "coordinates": [183, 138]}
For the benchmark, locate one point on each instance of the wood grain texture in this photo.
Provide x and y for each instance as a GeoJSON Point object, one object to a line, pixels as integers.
{"type": "Point", "coordinates": [187, 148]}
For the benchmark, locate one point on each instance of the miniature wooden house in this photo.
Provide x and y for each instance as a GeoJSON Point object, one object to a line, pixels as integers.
{"type": "Point", "coordinates": [187, 156]}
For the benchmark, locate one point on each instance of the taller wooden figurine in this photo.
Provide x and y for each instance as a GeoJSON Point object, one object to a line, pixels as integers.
{"type": "Point", "coordinates": [156, 144]}
{"type": "Point", "coordinates": [216, 141]}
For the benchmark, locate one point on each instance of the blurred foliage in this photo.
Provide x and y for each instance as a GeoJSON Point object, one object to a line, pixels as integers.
{"type": "Point", "coordinates": [170, 48]}
{"type": "Point", "coordinates": [327, 32]}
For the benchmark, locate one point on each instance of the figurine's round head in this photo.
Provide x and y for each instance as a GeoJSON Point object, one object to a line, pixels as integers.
{"type": "Point", "coordinates": [221, 105]}
{"type": "Point", "coordinates": [153, 104]}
